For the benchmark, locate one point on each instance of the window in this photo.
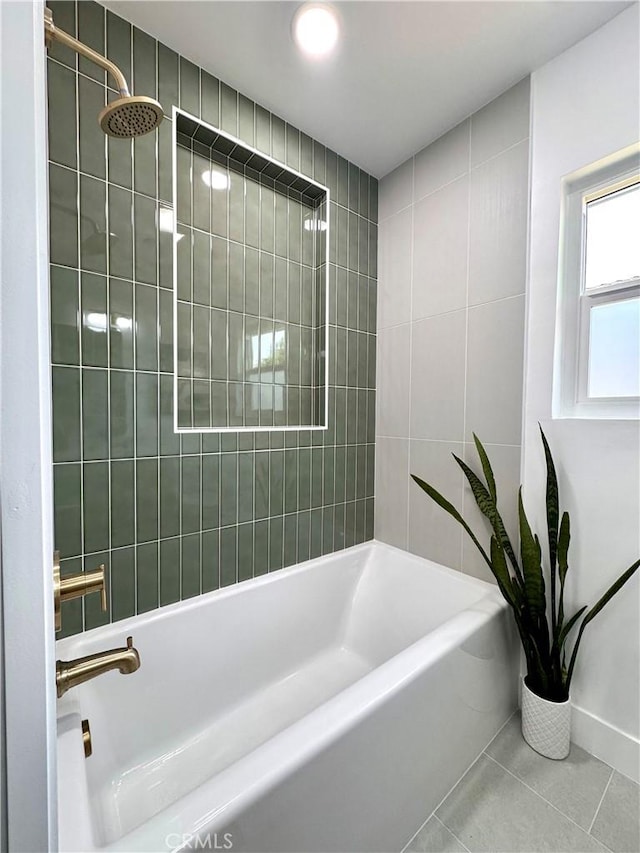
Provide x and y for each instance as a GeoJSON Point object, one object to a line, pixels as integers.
{"type": "Point", "coordinates": [599, 344]}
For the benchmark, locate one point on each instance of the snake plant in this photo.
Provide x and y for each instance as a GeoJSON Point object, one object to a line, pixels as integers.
{"type": "Point", "coordinates": [542, 624]}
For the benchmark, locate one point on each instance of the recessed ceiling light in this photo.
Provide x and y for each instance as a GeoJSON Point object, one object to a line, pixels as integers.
{"type": "Point", "coordinates": [216, 179]}
{"type": "Point", "coordinates": [315, 29]}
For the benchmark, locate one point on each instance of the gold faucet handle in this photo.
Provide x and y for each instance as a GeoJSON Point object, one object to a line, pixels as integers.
{"type": "Point", "coordinates": [75, 586]}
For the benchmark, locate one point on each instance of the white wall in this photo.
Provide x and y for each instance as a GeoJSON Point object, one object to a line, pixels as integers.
{"type": "Point", "coordinates": [585, 107]}
{"type": "Point", "coordinates": [451, 280]}
{"type": "Point", "coordinates": [25, 437]}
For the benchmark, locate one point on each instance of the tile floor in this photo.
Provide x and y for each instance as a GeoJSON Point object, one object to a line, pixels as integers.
{"type": "Point", "coordinates": [513, 800]}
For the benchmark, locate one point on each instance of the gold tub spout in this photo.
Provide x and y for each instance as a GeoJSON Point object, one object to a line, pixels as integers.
{"type": "Point", "coordinates": [73, 672]}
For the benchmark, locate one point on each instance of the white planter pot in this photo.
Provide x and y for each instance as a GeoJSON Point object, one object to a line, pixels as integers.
{"type": "Point", "coordinates": [546, 725]}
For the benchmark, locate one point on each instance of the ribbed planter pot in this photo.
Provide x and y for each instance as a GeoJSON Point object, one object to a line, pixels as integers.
{"type": "Point", "coordinates": [546, 725]}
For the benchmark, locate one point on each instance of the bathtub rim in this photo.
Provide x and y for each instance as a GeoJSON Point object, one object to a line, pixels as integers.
{"type": "Point", "coordinates": [113, 631]}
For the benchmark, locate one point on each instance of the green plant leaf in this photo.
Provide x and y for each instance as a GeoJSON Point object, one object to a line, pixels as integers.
{"type": "Point", "coordinates": [501, 572]}
{"type": "Point", "coordinates": [530, 552]}
{"type": "Point", "coordinates": [553, 504]}
{"type": "Point", "coordinates": [487, 505]}
{"type": "Point", "coordinates": [435, 495]}
{"type": "Point", "coordinates": [486, 467]}
{"type": "Point", "coordinates": [563, 546]}
{"type": "Point", "coordinates": [553, 513]}
{"type": "Point", "coordinates": [564, 631]}
{"type": "Point", "coordinates": [597, 607]}
{"type": "Point", "coordinates": [563, 567]}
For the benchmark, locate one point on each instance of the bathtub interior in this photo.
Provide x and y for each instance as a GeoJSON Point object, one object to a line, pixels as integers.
{"type": "Point", "coordinates": [223, 675]}
{"type": "Point", "coordinates": [401, 598]}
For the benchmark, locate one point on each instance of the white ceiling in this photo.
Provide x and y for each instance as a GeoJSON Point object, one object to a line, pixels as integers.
{"type": "Point", "coordinates": [403, 74]}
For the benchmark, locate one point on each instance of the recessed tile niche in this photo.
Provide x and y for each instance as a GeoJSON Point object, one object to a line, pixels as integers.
{"type": "Point", "coordinates": [250, 287]}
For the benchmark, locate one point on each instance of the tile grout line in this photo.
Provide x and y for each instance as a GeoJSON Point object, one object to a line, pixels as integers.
{"type": "Point", "coordinates": [159, 336]}
{"type": "Point", "coordinates": [433, 813]}
{"type": "Point", "coordinates": [460, 842]}
{"type": "Point", "coordinates": [80, 346]}
{"type": "Point", "coordinates": [472, 307]}
{"type": "Point", "coordinates": [337, 504]}
{"type": "Point", "coordinates": [455, 784]}
{"type": "Point", "coordinates": [370, 333]}
{"type": "Point", "coordinates": [538, 795]}
{"type": "Point", "coordinates": [134, 314]}
{"type": "Point", "coordinates": [108, 338]}
{"type": "Point", "coordinates": [410, 371]}
{"type": "Point", "coordinates": [466, 337]}
{"type": "Point", "coordinates": [427, 441]}
{"type": "Point", "coordinates": [604, 793]}
{"type": "Point", "coordinates": [454, 179]}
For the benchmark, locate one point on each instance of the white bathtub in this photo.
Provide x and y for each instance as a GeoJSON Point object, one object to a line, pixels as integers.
{"type": "Point", "coordinates": [326, 707]}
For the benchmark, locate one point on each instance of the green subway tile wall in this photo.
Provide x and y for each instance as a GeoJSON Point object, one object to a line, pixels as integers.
{"type": "Point", "coordinates": [252, 284]}
{"type": "Point", "coordinates": [172, 516]}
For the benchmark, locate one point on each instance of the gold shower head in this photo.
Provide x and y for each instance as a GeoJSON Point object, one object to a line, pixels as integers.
{"type": "Point", "coordinates": [131, 115]}
{"type": "Point", "coordinates": [127, 116]}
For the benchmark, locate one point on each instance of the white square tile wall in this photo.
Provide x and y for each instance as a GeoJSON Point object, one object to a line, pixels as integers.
{"type": "Point", "coordinates": [452, 272]}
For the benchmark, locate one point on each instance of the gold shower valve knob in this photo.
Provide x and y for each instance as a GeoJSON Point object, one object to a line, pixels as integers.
{"type": "Point", "coordinates": [76, 586]}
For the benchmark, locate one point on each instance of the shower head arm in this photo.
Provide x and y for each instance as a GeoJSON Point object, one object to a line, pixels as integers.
{"type": "Point", "coordinates": [52, 33]}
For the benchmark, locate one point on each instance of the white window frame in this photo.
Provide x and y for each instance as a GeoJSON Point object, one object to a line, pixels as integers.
{"type": "Point", "coordinates": [571, 398]}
